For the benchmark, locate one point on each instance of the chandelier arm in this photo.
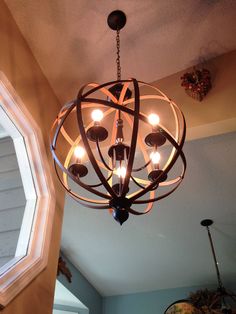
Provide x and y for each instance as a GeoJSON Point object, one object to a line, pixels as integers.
{"type": "Point", "coordinates": [136, 182]}
{"type": "Point", "coordinates": [99, 184]}
{"type": "Point", "coordinates": [159, 197]}
{"type": "Point", "coordinates": [143, 167]}
{"type": "Point", "coordinates": [171, 164]}
{"type": "Point", "coordinates": [140, 185]}
{"type": "Point", "coordinates": [77, 180]}
{"type": "Point", "coordinates": [77, 197]}
{"type": "Point", "coordinates": [133, 139]}
{"type": "Point", "coordinates": [88, 148]}
{"type": "Point", "coordinates": [101, 156]}
{"type": "Point", "coordinates": [135, 212]}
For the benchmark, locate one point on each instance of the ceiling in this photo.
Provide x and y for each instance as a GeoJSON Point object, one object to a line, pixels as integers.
{"type": "Point", "coordinates": [168, 248]}
{"type": "Point", "coordinates": [73, 44]}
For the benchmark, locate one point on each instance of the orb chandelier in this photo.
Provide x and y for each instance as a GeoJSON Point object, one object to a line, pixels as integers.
{"type": "Point", "coordinates": [110, 163]}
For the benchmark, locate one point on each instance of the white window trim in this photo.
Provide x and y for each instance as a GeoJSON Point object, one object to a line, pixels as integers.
{"type": "Point", "coordinates": [31, 254]}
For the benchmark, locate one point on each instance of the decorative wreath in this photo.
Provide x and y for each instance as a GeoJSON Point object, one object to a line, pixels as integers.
{"type": "Point", "coordinates": [197, 83]}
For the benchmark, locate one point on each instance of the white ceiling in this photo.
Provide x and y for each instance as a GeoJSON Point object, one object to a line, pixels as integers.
{"type": "Point", "coordinates": [168, 248]}
{"type": "Point", "coordinates": [73, 44]}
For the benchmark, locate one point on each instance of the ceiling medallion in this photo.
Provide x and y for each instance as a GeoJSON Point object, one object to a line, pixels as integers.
{"type": "Point", "coordinates": [131, 169]}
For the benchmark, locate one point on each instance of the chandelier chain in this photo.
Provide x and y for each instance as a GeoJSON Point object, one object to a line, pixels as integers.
{"type": "Point", "coordinates": [118, 55]}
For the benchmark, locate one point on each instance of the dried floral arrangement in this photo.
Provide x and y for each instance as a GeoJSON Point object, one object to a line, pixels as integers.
{"type": "Point", "coordinates": [206, 301]}
{"type": "Point", "coordinates": [197, 83]}
{"type": "Point", "coordinates": [63, 269]}
{"type": "Point", "coordinates": [210, 302]}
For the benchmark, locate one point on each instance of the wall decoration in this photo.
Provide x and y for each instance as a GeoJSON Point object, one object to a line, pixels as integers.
{"type": "Point", "coordinates": [197, 83]}
{"type": "Point", "coordinates": [63, 269]}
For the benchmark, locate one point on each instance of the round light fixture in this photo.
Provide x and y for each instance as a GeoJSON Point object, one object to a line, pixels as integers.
{"type": "Point", "coordinates": [122, 143]}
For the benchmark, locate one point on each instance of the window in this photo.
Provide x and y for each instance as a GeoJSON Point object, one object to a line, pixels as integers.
{"type": "Point", "coordinates": [31, 253]}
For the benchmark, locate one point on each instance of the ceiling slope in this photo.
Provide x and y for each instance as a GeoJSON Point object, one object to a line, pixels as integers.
{"type": "Point", "coordinates": [73, 44]}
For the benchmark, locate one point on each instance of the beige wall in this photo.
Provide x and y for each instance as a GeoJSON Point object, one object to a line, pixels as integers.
{"type": "Point", "coordinates": [216, 114]}
{"type": "Point", "coordinates": [20, 67]}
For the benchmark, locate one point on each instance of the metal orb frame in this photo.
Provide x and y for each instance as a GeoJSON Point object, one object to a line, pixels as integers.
{"type": "Point", "coordinates": [111, 199]}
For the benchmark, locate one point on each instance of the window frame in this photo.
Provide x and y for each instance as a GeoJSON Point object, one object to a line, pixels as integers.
{"type": "Point", "coordinates": [38, 184]}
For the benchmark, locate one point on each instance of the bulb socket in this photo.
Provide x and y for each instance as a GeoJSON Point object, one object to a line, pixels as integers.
{"type": "Point", "coordinates": [157, 174]}
{"type": "Point", "coordinates": [97, 133]}
{"type": "Point", "coordinates": [120, 151]}
{"type": "Point", "coordinates": [155, 139]}
{"type": "Point", "coordinates": [78, 170]}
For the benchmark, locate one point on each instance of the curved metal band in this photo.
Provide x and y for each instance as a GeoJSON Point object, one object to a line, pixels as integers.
{"type": "Point", "coordinates": [58, 128]}
{"type": "Point", "coordinates": [143, 167]}
{"type": "Point", "coordinates": [133, 139]}
{"type": "Point", "coordinates": [99, 184]}
{"type": "Point", "coordinates": [88, 148]}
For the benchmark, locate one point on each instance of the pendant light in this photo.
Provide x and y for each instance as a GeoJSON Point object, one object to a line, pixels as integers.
{"type": "Point", "coordinates": [226, 298]}
{"type": "Point", "coordinates": [99, 164]}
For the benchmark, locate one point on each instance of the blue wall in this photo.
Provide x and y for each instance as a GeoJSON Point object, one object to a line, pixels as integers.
{"type": "Point", "coordinates": [82, 289]}
{"type": "Point", "coordinates": [154, 302]}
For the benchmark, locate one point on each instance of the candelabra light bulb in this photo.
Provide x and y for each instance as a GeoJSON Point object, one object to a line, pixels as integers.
{"type": "Point", "coordinates": [121, 172]}
{"type": "Point", "coordinates": [97, 115]}
{"type": "Point", "coordinates": [79, 152]}
{"type": "Point", "coordinates": [155, 157]}
{"type": "Point", "coordinates": [153, 119]}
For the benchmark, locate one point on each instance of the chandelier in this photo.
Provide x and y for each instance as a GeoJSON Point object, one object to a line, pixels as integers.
{"type": "Point", "coordinates": [204, 301]}
{"type": "Point", "coordinates": [125, 158]}
{"type": "Point", "coordinates": [222, 298]}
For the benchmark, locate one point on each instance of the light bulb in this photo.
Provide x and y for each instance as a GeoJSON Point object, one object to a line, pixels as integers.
{"type": "Point", "coordinates": [155, 157]}
{"type": "Point", "coordinates": [97, 115]}
{"type": "Point", "coordinates": [121, 172]}
{"type": "Point", "coordinates": [79, 152]}
{"type": "Point", "coordinates": [153, 119]}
